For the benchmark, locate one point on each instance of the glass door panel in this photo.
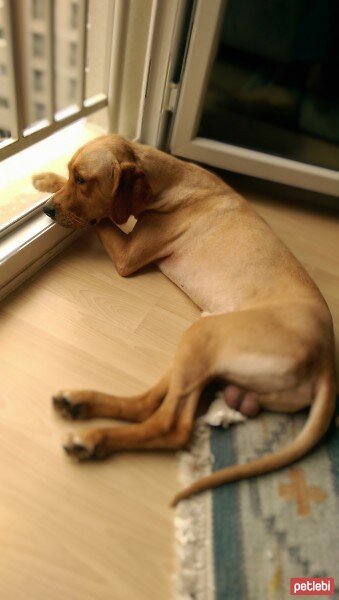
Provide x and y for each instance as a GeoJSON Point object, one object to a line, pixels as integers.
{"type": "Point", "coordinates": [274, 84]}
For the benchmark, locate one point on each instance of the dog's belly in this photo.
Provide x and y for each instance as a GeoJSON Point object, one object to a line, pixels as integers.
{"type": "Point", "coordinates": [206, 288]}
{"type": "Point", "coordinates": [235, 274]}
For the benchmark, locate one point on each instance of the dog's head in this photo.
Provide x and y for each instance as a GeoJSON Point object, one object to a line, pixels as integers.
{"type": "Point", "coordinates": [105, 180]}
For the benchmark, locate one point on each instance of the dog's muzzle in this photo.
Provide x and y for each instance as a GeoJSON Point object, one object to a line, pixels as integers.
{"type": "Point", "coordinates": [49, 210]}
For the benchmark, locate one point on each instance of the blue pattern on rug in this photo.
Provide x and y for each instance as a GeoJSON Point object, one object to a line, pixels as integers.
{"type": "Point", "coordinates": [229, 582]}
{"type": "Point", "coordinates": [278, 526]}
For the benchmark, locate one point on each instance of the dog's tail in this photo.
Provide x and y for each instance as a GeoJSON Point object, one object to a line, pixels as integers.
{"type": "Point", "coordinates": [318, 421]}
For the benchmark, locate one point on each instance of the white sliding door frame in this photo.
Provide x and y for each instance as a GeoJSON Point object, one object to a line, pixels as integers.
{"type": "Point", "coordinates": [184, 141]}
{"type": "Point", "coordinates": [160, 91]}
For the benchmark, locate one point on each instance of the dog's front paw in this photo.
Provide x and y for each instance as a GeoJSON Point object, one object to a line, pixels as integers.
{"type": "Point", "coordinates": [47, 182]}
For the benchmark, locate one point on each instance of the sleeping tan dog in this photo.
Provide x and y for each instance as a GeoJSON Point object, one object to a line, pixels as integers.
{"type": "Point", "coordinates": [268, 334]}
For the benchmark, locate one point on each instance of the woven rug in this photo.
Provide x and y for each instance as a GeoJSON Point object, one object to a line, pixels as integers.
{"type": "Point", "coordinates": [244, 541]}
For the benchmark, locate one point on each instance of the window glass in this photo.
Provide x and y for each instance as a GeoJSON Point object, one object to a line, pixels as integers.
{"type": "Point", "coordinates": [38, 9]}
{"type": "Point", "coordinates": [57, 71]}
{"type": "Point", "coordinates": [36, 62]}
{"type": "Point", "coordinates": [36, 49]}
{"type": "Point", "coordinates": [274, 86]}
{"type": "Point", "coordinates": [73, 54]}
{"type": "Point", "coordinates": [69, 46]}
{"type": "Point", "coordinates": [38, 77]}
{"type": "Point", "coordinates": [38, 41]}
{"type": "Point", "coordinates": [39, 110]}
{"type": "Point", "coordinates": [74, 15]}
{"type": "Point", "coordinates": [72, 89]}
{"type": "Point", "coordinates": [98, 51]}
{"type": "Point", "coordinates": [49, 84]}
{"type": "Point", "coordinates": [7, 104]}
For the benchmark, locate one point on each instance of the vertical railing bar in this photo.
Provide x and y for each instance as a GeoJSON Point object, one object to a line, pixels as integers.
{"type": "Point", "coordinates": [21, 137]}
{"type": "Point", "coordinates": [27, 140]}
{"type": "Point", "coordinates": [17, 92]}
{"type": "Point", "coordinates": [84, 52]}
{"type": "Point", "coordinates": [52, 61]}
{"type": "Point", "coordinates": [108, 46]}
{"type": "Point", "coordinates": [147, 65]}
{"type": "Point", "coordinates": [120, 26]}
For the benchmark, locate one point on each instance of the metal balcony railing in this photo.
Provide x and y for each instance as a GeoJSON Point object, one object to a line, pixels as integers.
{"type": "Point", "coordinates": [45, 66]}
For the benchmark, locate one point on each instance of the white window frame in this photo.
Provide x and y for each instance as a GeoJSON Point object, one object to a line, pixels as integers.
{"type": "Point", "coordinates": [163, 55]}
{"type": "Point", "coordinates": [184, 140]}
{"type": "Point", "coordinates": [31, 239]}
{"type": "Point", "coordinates": [27, 249]}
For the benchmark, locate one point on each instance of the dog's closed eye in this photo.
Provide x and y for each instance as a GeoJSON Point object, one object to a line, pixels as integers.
{"type": "Point", "coordinates": [79, 179]}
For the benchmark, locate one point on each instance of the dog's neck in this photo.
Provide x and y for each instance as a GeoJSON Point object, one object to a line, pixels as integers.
{"type": "Point", "coordinates": [165, 172]}
{"type": "Point", "coordinates": [162, 170]}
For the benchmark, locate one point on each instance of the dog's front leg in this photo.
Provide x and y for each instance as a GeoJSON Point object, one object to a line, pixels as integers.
{"type": "Point", "coordinates": [116, 244]}
{"type": "Point", "coordinates": [48, 182]}
{"type": "Point", "coordinates": [130, 252]}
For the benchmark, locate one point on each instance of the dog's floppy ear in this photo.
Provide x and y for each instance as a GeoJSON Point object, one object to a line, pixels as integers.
{"type": "Point", "coordinates": [131, 193]}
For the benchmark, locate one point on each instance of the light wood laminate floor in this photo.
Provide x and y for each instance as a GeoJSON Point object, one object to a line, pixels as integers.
{"type": "Point", "coordinates": [103, 531]}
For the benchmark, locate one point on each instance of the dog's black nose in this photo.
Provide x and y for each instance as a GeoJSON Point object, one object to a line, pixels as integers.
{"type": "Point", "coordinates": [49, 211]}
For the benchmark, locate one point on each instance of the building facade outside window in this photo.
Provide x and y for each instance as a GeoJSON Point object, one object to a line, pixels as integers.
{"type": "Point", "coordinates": [38, 9]}
{"type": "Point", "coordinates": [38, 44]}
{"type": "Point", "coordinates": [72, 89]}
{"type": "Point", "coordinates": [73, 51]}
{"type": "Point", "coordinates": [39, 111]}
{"type": "Point", "coordinates": [38, 80]}
{"type": "Point", "coordinates": [74, 16]}
{"type": "Point", "coordinates": [5, 133]}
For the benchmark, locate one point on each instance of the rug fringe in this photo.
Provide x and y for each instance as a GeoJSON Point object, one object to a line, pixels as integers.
{"type": "Point", "coordinates": [193, 539]}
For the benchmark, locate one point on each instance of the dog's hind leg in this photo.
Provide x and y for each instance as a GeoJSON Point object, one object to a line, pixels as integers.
{"type": "Point", "coordinates": [181, 432]}
{"type": "Point", "coordinates": [87, 404]}
{"type": "Point", "coordinates": [169, 426]}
